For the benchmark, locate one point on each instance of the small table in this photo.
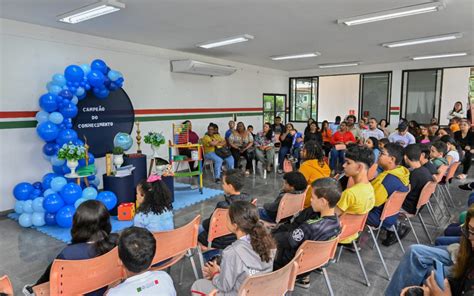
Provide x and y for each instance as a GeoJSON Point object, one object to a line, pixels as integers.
{"type": "Point", "coordinates": [123, 188]}
{"type": "Point", "coordinates": [78, 178]}
{"type": "Point", "coordinates": [197, 147]}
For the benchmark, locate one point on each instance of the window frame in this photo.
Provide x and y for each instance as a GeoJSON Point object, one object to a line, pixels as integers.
{"type": "Point", "coordinates": [290, 97]}
{"type": "Point", "coordinates": [389, 94]}
{"type": "Point", "coordinates": [274, 106]}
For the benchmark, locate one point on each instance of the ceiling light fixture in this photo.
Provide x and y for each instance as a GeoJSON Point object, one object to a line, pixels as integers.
{"type": "Point", "coordinates": [439, 56]}
{"type": "Point", "coordinates": [296, 56]}
{"type": "Point", "coordinates": [430, 39]}
{"type": "Point", "coordinates": [90, 11]}
{"type": "Point", "coordinates": [226, 41]}
{"type": "Point", "coordinates": [392, 13]}
{"type": "Point", "coordinates": [349, 64]}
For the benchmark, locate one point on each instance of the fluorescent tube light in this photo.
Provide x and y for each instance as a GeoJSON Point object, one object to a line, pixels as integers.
{"type": "Point", "coordinates": [438, 38]}
{"type": "Point", "coordinates": [90, 11]}
{"type": "Point", "coordinates": [392, 13]}
{"type": "Point", "coordinates": [323, 66]}
{"type": "Point", "coordinates": [439, 56]}
{"type": "Point", "coordinates": [296, 56]}
{"type": "Point", "coordinates": [226, 41]}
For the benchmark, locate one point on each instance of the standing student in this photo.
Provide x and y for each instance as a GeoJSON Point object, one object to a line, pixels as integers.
{"type": "Point", "coordinates": [155, 210]}
{"type": "Point", "coordinates": [314, 167]}
{"type": "Point", "coordinates": [465, 139]}
{"type": "Point", "coordinates": [393, 178]}
{"type": "Point", "coordinates": [90, 237]}
{"type": "Point", "coordinates": [359, 198]}
{"type": "Point", "coordinates": [211, 142]}
{"type": "Point", "coordinates": [265, 146]}
{"type": "Point", "coordinates": [136, 248]}
{"type": "Point", "coordinates": [252, 253]}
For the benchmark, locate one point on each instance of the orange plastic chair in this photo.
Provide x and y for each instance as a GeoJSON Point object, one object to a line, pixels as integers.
{"type": "Point", "coordinates": [316, 254]}
{"type": "Point", "coordinates": [392, 207]}
{"type": "Point", "coordinates": [353, 224]}
{"type": "Point", "coordinates": [449, 176]}
{"type": "Point", "coordinates": [424, 199]}
{"type": "Point", "coordinates": [6, 286]}
{"type": "Point", "coordinates": [175, 244]}
{"type": "Point", "coordinates": [439, 194]}
{"type": "Point", "coordinates": [372, 173]}
{"type": "Point", "coordinates": [290, 204]}
{"type": "Point", "coordinates": [218, 225]}
{"type": "Point", "coordinates": [77, 277]}
{"type": "Point", "coordinates": [274, 283]}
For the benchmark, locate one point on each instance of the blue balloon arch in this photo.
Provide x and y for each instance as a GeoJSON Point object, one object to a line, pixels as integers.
{"type": "Point", "coordinates": [54, 199]}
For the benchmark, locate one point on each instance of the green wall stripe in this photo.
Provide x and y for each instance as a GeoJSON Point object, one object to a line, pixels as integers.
{"type": "Point", "coordinates": [394, 113]}
{"type": "Point", "coordinates": [33, 123]}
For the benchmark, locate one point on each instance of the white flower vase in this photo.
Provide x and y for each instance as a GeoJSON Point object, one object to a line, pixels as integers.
{"type": "Point", "coordinates": [72, 165]}
{"type": "Point", "coordinates": [118, 160]}
{"type": "Point", "coordinates": [155, 151]}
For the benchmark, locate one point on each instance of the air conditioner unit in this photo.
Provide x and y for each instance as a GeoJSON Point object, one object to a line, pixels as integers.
{"type": "Point", "coordinates": [201, 68]}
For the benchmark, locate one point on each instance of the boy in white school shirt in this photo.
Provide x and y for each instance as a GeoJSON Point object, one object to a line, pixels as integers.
{"type": "Point", "coordinates": [136, 249]}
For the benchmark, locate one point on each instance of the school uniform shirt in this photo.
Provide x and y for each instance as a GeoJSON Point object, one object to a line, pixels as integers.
{"type": "Point", "coordinates": [144, 284]}
{"type": "Point", "coordinates": [403, 140]}
{"type": "Point", "coordinates": [154, 222]}
{"type": "Point", "coordinates": [358, 199]}
{"type": "Point", "coordinates": [418, 179]}
{"type": "Point", "coordinates": [390, 181]}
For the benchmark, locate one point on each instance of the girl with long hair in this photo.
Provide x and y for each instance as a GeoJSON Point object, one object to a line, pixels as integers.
{"type": "Point", "coordinates": [326, 132]}
{"type": "Point", "coordinates": [465, 138]}
{"type": "Point", "coordinates": [155, 209]}
{"type": "Point", "coordinates": [241, 144]}
{"type": "Point", "coordinates": [457, 111]}
{"type": "Point", "coordinates": [265, 146]}
{"type": "Point", "coordinates": [252, 253]}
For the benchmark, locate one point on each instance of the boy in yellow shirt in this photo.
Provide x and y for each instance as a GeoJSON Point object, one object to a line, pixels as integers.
{"type": "Point", "coordinates": [360, 198]}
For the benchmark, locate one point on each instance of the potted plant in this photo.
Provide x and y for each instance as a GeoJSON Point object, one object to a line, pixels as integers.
{"type": "Point", "coordinates": [155, 140]}
{"type": "Point", "coordinates": [118, 156]}
{"type": "Point", "coordinates": [72, 153]}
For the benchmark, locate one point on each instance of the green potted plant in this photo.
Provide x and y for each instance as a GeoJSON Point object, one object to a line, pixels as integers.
{"type": "Point", "coordinates": [72, 154]}
{"type": "Point", "coordinates": [118, 156]}
{"type": "Point", "coordinates": [155, 140]}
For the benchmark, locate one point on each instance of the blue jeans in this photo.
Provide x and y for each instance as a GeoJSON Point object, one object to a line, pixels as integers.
{"type": "Point", "coordinates": [284, 150]}
{"type": "Point", "coordinates": [336, 155]}
{"type": "Point", "coordinates": [264, 216]}
{"type": "Point", "coordinates": [374, 218]}
{"type": "Point", "coordinates": [415, 266]}
{"type": "Point", "coordinates": [447, 240]}
{"type": "Point", "coordinates": [218, 163]}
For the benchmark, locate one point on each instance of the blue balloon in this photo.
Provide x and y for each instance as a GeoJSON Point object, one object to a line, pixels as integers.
{"type": "Point", "coordinates": [102, 94]}
{"type": "Point", "coordinates": [25, 220]}
{"type": "Point", "coordinates": [38, 185]}
{"type": "Point", "coordinates": [74, 73]}
{"type": "Point", "coordinates": [52, 203]}
{"type": "Point", "coordinates": [23, 190]}
{"type": "Point", "coordinates": [75, 100]}
{"type": "Point", "coordinates": [66, 136]}
{"type": "Point", "coordinates": [48, 192]}
{"type": "Point", "coordinates": [50, 148]}
{"type": "Point", "coordinates": [68, 110]}
{"type": "Point", "coordinates": [82, 162]}
{"type": "Point", "coordinates": [113, 75]}
{"type": "Point", "coordinates": [55, 161]}
{"type": "Point", "coordinates": [28, 206]}
{"type": "Point", "coordinates": [19, 206]}
{"type": "Point", "coordinates": [47, 180]}
{"type": "Point", "coordinates": [50, 219]}
{"type": "Point", "coordinates": [47, 131]}
{"type": "Point", "coordinates": [38, 204]}
{"type": "Point", "coordinates": [56, 117]}
{"type": "Point", "coordinates": [96, 182]}
{"type": "Point", "coordinates": [80, 91]}
{"type": "Point", "coordinates": [78, 202]}
{"type": "Point", "coordinates": [64, 216]}
{"type": "Point", "coordinates": [71, 192]}
{"type": "Point", "coordinates": [59, 79]}
{"type": "Point", "coordinates": [95, 78]}
{"type": "Point", "coordinates": [53, 88]}
{"type": "Point", "coordinates": [99, 65]}
{"type": "Point", "coordinates": [38, 219]}
{"type": "Point", "coordinates": [86, 68]}
{"type": "Point", "coordinates": [57, 170]}
{"type": "Point", "coordinates": [66, 94]}
{"type": "Point", "coordinates": [123, 140]}
{"type": "Point", "coordinates": [58, 183]}
{"type": "Point", "coordinates": [108, 198]}
{"type": "Point", "coordinates": [89, 193]}
{"type": "Point", "coordinates": [42, 116]}
{"type": "Point", "coordinates": [35, 193]}
{"type": "Point", "coordinates": [65, 169]}
{"type": "Point", "coordinates": [48, 102]}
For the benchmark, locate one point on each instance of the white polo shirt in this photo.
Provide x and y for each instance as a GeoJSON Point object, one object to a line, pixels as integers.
{"type": "Point", "coordinates": [147, 283]}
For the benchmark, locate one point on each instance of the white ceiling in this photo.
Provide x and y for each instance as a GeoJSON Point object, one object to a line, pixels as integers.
{"type": "Point", "coordinates": [279, 26]}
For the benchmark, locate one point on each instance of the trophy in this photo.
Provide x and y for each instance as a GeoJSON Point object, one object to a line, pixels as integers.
{"type": "Point", "coordinates": [138, 137]}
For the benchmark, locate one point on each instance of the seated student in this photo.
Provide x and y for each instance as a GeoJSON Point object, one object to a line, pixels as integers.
{"type": "Point", "coordinates": [343, 136]}
{"type": "Point", "coordinates": [91, 238]}
{"type": "Point", "coordinates": [373, 144]}
{"type": "Point", "coordinates": [252, 253]}
{"type": "Point", "coordinates": [313, 167]}
{"type": "Point", "coordinates": [419, 176]}
{"type": "Point", "coordinates": [323, 225]}
{"type": "Point", "coordinates": [296, 145]}
{"type": "Point", "coordinates": [136, 248]}
{"type": "Point", "coordinates": [360, 198]}
{"type": "Point", "coordinates": [293, 182]}
{"type": "Point", "coordinates": [425, 158]}
{"type": "Point", "coordinates": [393, 178]}
{"type": "Point", "coordinates": [155, 211]}
{"type": "Point", "coordinates": [417, 264]}
{"type": "Point", "coordinates": [265, 147]}
{"type": "Point", "coordinates": [452, 155]}
{"type": "Point", "coordinates": [438, 150]}
{"type": "Point", "coordinates": [232, 184]}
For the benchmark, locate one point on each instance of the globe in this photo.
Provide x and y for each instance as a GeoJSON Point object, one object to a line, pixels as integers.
{"type": "Point", "coordinates": [123, 140]}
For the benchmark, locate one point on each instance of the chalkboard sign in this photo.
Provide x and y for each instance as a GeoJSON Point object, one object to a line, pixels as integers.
{"type": "Point", "coordinates": [101, 119]}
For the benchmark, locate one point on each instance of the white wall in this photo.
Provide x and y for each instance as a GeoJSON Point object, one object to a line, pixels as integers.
{"type": "Point", "coordinates": [31, 54]}
{"type": "Point", "coordinates": [337, 96]}
{"type": "Point", "coordinates": [455, 88]}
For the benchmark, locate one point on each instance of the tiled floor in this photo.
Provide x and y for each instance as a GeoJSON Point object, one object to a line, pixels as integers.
{"type": "Point", "coordinates": [24, 253]}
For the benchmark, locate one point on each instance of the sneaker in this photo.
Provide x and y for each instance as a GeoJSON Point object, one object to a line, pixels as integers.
{"type": "Point", "coordinates": [303, 282]}
{"type": "Point", "coordinates": [465, 187]}
{"type": "Point", "coordinates": [28, 290]}
{"type": "Point", "coordinates": [391, 239]}
{"type": "Point", "coordinates": [218, 181]}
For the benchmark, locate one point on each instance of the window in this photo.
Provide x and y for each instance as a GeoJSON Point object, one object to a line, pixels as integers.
{"type": "Point", "coordinates": [421, 92]}
{"type": "Point", "coordinates": [375, 95]}
{"type": "Point", "coordinates": [273, 105]}
{"type": "Point", "coordinates": [303, 98]}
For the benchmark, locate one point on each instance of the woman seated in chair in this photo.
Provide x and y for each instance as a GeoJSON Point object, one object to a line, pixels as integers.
{"type": "Point", "coordinates": [265, 147]}
{"type": "Point", "coordinates": [91, 238]}
{"type": "Point", "coordinates": [241, 144]}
